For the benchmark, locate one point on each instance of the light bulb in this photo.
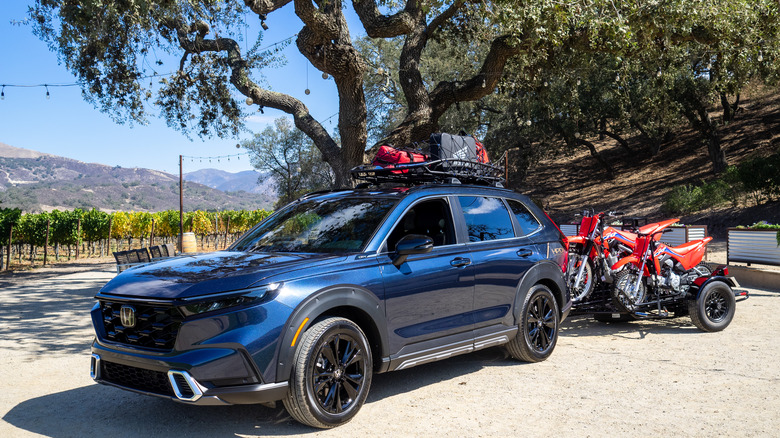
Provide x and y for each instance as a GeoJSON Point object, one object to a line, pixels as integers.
{"type": "Point", "coordinates": [307, 91]}
{"type": "Point", "coordinates": [324, 76]}
{"type": "Point", "coordinates": [249, 101]}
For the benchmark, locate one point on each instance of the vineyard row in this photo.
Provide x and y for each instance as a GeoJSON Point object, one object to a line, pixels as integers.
{"type": "Point", "coordinates": [95, 233]}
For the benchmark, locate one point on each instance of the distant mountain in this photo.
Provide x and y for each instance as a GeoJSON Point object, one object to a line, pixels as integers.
{"type": "Point", "coordinates": [249, 180]}
{"type": "Point", "coordinates": [34, 181]}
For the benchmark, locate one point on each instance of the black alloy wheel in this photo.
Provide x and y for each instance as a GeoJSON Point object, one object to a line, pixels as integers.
{"type": "Point", "coordinates": [331, 374]}
{"type": "Point", "coordinates": [339, 373]}
{"type": "Point", "coordinates": [714, 307]}
{"type": "Point", "coordinates": [538, 328]}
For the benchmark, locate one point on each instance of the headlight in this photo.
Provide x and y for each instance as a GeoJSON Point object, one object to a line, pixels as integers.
{"type": "Point", "coordinates": [230, 299]}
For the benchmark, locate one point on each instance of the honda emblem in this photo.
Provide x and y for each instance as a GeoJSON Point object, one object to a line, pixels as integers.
{"type": "Point", "coordinates": [127, 316]}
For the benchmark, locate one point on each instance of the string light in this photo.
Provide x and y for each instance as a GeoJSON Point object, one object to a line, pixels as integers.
{"type": "Point", "coordinates": [218, 157]}
{"type": "Point", "coordinates": [47, 91]}
{"type": "Point", "coordinates": [2, 93]}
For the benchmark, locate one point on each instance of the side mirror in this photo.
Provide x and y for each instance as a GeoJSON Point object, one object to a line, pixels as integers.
{"type": "Point", "coordinates": [411, 244]}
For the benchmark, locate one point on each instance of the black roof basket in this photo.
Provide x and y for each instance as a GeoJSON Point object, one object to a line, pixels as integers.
{"type": "Point", "coordinates": [449, 171]}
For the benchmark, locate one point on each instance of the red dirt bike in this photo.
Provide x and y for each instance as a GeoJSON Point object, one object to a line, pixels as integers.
{"type": "Point", "coordinates": [656, 279]}
{"type": "Point", "coordinates": [593, 251]}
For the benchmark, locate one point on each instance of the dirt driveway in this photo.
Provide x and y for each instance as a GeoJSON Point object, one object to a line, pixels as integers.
{"type": "Point", "coordinates": [661, 378]}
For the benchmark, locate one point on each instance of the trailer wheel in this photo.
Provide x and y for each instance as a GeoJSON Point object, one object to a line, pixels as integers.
{"type": "Point", "coordinates": [713, 309]}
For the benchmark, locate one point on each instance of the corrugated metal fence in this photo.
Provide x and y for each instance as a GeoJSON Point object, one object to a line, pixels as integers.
{"type": "Point", "coordinates": [753, 246]}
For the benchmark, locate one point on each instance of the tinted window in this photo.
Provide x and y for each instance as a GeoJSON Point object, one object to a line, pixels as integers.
{"type": "Point", "coordinates": [318, 225]}
{"type": "Point", "coordinates": [527, 221]}
{"type": "Point", "coordinates": [429, 218]}
{"type": "Point", "coordinates": [486, 218]}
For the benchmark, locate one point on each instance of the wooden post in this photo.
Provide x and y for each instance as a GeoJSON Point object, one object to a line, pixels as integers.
{"type": "Point", "coordinates": [46, 245]}
{"type": "Point", "coordinates": [10, 238]}
{"type": "Point", "coordinates": [110, 223]}
{"type": "Point", "coordinates": [227, 227]}
{"type": "Point", "coordinates": [181, 201]}
{"type": "Point", "coordinates": [78, 237]}
{"type": "Point", "coordinates": [151, 238]}
{"type": "Point", "coordinates": [216, 232]}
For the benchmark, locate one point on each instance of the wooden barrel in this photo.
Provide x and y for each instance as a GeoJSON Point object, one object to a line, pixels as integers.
{"type": "Point", "coordinates": [187, 243]}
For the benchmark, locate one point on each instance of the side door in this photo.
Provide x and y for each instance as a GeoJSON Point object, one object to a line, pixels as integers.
{"type": "Point", "coordinates": [428, 298]}
{"type": "Point", "coordinates": [502, 252]}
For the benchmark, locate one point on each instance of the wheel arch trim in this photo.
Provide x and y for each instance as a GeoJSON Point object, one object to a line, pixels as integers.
{"type": "Point", "coordinates": [695, 290]}
{"type": "Point", "coordinates": [549, 274]}
{"type": "Point", "coordinates": [345, 298]}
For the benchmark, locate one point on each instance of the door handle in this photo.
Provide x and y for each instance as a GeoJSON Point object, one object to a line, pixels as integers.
{"type": "Point", "coordinates": [524, 252]}
{"type": "Point", "coordinates": [460, 261]}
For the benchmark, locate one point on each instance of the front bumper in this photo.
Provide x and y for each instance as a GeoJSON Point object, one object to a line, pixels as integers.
{"type": "Point", "coordinates": [163, 379]}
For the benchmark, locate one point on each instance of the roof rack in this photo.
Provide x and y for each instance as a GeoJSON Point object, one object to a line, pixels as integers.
{"type": "Point", "coordinates": [447, 171]}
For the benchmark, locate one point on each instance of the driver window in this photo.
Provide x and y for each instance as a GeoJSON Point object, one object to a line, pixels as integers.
{"type": "Point", "coordinates": [428, 218]}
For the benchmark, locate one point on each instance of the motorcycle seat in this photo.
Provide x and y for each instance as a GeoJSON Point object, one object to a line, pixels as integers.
{"type": "Point", "coordinates": [693, 245]}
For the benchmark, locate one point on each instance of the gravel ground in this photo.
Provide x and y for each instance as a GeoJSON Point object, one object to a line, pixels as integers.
{"type": "Point", "coordinates": [652, 378]}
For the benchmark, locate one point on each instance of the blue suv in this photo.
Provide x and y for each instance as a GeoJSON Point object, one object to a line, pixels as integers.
{"type": "Point", "coordinates": [331, 289]}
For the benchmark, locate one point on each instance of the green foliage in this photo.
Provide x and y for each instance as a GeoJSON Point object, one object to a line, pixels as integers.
{"type": "Point", "coordinates": [94, 225]}
{"type": "Point", "coordinates": [32, 229]}
{"type": "Point", "coordinates": [291, 157]}
{"type": "Point", "coordinates": [8, 217]}
{"type": "Point", "coordinates": [760, 177]}
{"type": "Point", "coordinates": [64, 227]}
{"type": "Point", "coordinates": [687, 198]}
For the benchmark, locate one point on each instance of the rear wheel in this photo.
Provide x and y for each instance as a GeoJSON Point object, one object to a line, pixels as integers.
{"type": "Point", "coordinates": [331, 374]}
{"type": "Point", "coordinates": [714, 308]}
{"type": "Point", "coordinates": [539, 323]}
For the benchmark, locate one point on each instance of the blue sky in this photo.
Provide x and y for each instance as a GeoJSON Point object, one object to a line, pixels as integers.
{"type": "Point", "coordinates": [66, 125]}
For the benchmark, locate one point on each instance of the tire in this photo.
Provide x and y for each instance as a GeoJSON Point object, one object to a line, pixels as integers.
{"type": "Point", "coordinates": [538, 328]}
{"type": "Point", "coordinates": [623, 301]}
{"type": "Point", "coordinates": [609, 317]}
{"type": "Point", "coordinates": [574, 264]}
{"type": "Point", "coordinates": [714, 308]}
{"type": "Point", "coordinates": [331, 374]}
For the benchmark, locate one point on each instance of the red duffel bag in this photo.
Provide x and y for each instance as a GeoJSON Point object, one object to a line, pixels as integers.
{"type": "Point", "coordinates": [388, 156]}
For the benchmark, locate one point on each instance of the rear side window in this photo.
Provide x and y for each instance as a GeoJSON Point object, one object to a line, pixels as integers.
{"type": "Point", "coordinates": [527, 221]}
{"type": "Point", "coordinates": [486, 218]}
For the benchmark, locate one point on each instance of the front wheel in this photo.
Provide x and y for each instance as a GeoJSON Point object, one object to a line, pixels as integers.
{"type": "Point", "coordinates": [539, 323]}
{"type": "Point", "coordinates": [331, 374]}
{"type": "Point", "coordinates": [626, 293]}
{"type": "Point", "coordinates": [714, 308]}
{"type": "Point", "coordinates": [583, 288]}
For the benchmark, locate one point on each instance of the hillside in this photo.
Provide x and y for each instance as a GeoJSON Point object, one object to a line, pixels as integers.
{"type": "Point", "coordinates": [249, 181]}
{"type": "Point", "coordinates": [566, 185]}
{"type": "Point", "coordinates": [34, 181]}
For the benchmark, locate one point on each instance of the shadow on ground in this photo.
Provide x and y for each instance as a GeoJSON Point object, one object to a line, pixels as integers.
{"type": "Point", "coordinates": [49, 314]}
{"type": "Point", "coordinates": [109, 411]}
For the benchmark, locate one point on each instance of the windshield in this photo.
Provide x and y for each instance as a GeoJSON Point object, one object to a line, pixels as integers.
{"type": "Point", "coordinates": [318, 226]}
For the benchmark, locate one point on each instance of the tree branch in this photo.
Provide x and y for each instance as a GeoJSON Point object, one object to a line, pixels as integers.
{"type": "Point", "coordinates": [240, 79]}
{"type": "Point", "coordinates": [386, 26]}
{"type": "Point", "coordinates": [262, 7]}
{"type": "Point", "coordinates": [442, 18]}
{"type": "Point", "coordinates": [447, 93]}
{"type": "Point", "coordinates": [323, 23]}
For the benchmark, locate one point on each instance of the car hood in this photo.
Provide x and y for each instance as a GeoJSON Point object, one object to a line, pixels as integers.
{"type": "Point", "coordinates": [203, 274]}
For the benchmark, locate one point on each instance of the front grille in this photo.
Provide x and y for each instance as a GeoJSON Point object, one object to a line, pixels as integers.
{"type": "Point", "coordinates": [155, 326]}
{"type": "Point", "coordinates": [136, 378]}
